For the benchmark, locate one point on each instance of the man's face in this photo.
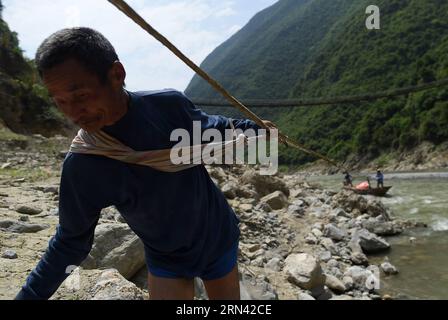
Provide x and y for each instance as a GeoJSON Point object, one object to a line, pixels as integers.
{"type": "Point", "coordinates": [81, 96]}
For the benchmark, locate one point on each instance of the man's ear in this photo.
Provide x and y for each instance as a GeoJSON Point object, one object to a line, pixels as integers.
{"type": "Point", "coordinates": [117, 75]}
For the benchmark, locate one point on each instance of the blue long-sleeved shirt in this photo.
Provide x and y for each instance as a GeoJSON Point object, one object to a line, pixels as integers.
{"type": "Point", "coordinates": [182, 218]}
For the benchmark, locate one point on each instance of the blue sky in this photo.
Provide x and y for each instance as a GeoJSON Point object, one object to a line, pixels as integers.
{"type": "Point", "coordinates": [196, 27]}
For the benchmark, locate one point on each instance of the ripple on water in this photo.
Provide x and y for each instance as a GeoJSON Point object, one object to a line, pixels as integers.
{"type": "Point", "coordinates": [440, 224]}
{"type": "Point", "coordinates": [393, 200]}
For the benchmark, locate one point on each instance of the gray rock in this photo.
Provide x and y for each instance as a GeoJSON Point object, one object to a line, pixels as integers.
{"type": "Point", "coordinates": [348, 282]}
{"type": "Point", "coordinates": [363, 279]}
{"type": "Point", "coordinates": [9, 254]}
{"type": "Point", "coordinates": [229, 190]}
{"type": "Point", "coordinates": [246, 207]}
{"type": "Point", "coordinates": [295, 193]}
{"type": "Point", "coordinates": [299, 203]}
{"type": "Point", "coordinates": [319, 226]}
{"type": "Point", "coordinates": [116, 246]}
{"type": "Point", "coordinates": [333, 263]}
{"type": "Point", "coordinates": [24, 218]}
{"type": "Point", "coordinates": [304, 271]}
{"type": "Point", "coordinates": [264, 185]}
{"type": "Point", "coordinates": [257, 262]}
{"type": "Point", "coordinates": [370, 243]}
{"type": "Point", "coordinates": [255, 254]}
{"type": "Point", "coordinates": [381, 228]}
{"type": "Point", "coordinates": [325, 256]}
{"type": "Point", "coordinates": [54, 189]}
{"type": "Point", "coordinates": [218, 173]}
{"type": "Point", "coordinates": [245, 192]}
{"type": "Point", "coordinates": [376, 208]}
{"type": "Point", "coordinates": [112, 214]}
{"type": "Point", "coordinates": [28, 210]}
{"type": "Point", "coordinates": [311, 239]}
{"type": "Point", "coordinates": [6, 166]}
{"type": "Point", "coordinates": [21, 227]}
{"type": "Point", "coordinates": [253, 247]}
{"type": "Point", "coordinates": [263, 206]}
{"type": "Point", "coordinates": [328, 244]}
{"type": "Point", "coordinates": [359, 258]}
{"type": "Point", "coordinates": [305, 297]}
{"type": "Point", "coordinates": [334, 284]}
{"type": "Point", "coordinates": [357, 255]}
{"type": "Point", "coordinates": [388, 268]}
{"type": "Point", "coordinates": [339, 212]}
{"type": "Point", "coordinates": [274, 264]}
{"type": "Point", "coordinates": [276, 200]}
{"type": "Point", "coordinates": [111, 285]}
{"type": "Point", "coordinates": [256, 288]}
{"type": "Point", "coordinates": [296, 210]}
{"type": "Point", "coordinates": [317, 233]}
{"type": "Point", "coordinates": [333, 232]}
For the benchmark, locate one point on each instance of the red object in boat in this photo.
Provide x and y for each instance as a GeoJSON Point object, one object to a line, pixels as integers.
{"type": "Point", "coordinates": [363, 186]}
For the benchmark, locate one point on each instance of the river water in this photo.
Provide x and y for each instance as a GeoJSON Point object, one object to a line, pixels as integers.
{"type": "Point", "coordinates": [423, 262]}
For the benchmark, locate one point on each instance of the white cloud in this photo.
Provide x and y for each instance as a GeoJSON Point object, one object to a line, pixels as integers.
{"type": "Point", "coordinates": [196, 27]}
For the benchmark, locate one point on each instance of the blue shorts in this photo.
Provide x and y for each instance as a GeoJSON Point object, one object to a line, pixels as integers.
{"type": "Point", "coordinates": [215, 270]}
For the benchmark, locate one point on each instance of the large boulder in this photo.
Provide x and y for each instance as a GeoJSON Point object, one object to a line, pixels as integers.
{"type": "Point", "coordinates": [357, 256]}
{"type": "Point", "coordinates": [369, 242]}
{"type": "Point", "coordinates": [334, 283]}
{"type": "Point", "coordinates": [98, 285]}
{"type": "Point", "coordinates": [381, 228]}
{"type": "Point", "coordinates": [276, 200]}
{"type": "Point", "coordinates": [363, 279]}
{"type": "Point", "coordinates": [304, 271]}
{"type": "Point", "coordinates": [112, 286]}
{"type": "Point", "coordinates": [264, 185]}
{"type": "Point", "coordinates": [116, 246]}
{"type": "Point", "coordinates": [376, 208]}
{"type": "Point", "coordinates": [334, 233]}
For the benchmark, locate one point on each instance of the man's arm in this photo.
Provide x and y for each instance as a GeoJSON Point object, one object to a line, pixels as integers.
{"type": "Point", "coordinates": [78, 217]}
{"type": "Point", "coordinates": [218, 122]}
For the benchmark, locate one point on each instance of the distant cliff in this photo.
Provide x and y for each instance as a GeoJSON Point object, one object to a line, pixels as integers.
{"type": "Point", "coordinates": [321, 48]}
{"type": "Point", "coordinates": [24, 104]}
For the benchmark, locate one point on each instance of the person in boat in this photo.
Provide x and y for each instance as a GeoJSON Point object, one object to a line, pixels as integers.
{"type": "Point", "coordinates": [379, 179]}
{"type": "Point", "coordinates": [348, 180]}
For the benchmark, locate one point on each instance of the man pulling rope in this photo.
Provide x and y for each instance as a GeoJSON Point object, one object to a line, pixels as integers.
{"type": "Point", "coordinates": [184, 221]}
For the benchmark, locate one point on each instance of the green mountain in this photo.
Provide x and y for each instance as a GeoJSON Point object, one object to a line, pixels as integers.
{"type": "Point", "coordinates": [321, 48]}
{"type": "Point", "coordinates": [24, 104]}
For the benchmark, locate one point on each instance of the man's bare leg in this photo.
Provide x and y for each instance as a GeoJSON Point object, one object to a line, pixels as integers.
{"type": "Point", "coordinates": [226, 288]}
{"type": "Point", "coordinates": [170, 289]}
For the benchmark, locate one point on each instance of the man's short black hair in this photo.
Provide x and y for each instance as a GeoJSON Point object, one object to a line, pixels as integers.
{"type": "Point", "coordinates": [87, 46]}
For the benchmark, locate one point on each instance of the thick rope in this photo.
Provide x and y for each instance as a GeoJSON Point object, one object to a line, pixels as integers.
{"type": "Point", "coordinates": [254, 103]}
{"type": "Point", "coordinates": [132, 14]}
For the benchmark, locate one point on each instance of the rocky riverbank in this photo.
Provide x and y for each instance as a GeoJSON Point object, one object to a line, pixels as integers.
{"type": "Point", "coordinates": [424, 157]}
{"type": "Point", "coordinates": [298, 241]}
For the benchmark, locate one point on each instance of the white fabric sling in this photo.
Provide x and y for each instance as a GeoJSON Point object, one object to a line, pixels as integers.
{"type": "Point", "coordinates": [100, 143]}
